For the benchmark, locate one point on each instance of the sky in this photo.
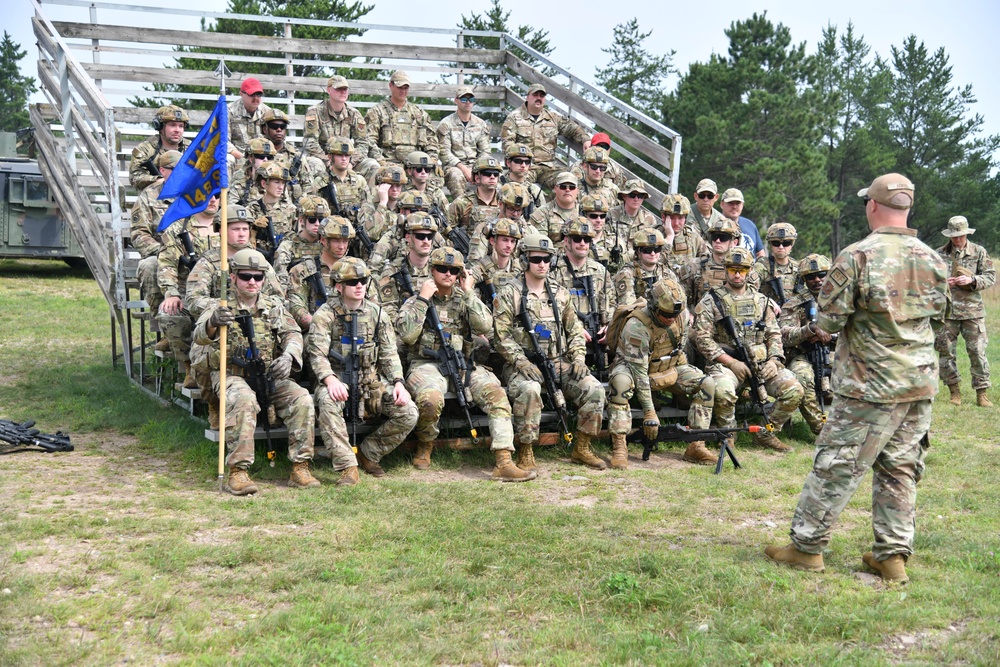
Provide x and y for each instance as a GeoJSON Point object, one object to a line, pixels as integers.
{"type": "Point", "coordinates": [579, 31]}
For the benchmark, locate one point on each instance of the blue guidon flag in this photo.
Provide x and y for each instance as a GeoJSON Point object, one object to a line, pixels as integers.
{"type": "Point", "coordinates": [202, 170]}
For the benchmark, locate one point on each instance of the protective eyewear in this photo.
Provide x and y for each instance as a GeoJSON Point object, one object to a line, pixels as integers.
{"type": "Point", "coordinates": [597, 216]}
{"type": "Point", "coordinates": [636, 195]}
{"type": "Point", "coordinates": [705, 195]}
{"type": "Point", "coordinates": [721, 237]}
{"type": "Point", "coordinates": [866, 200]}
{"type": "Point", "coordinates": [421, 169]}
{"type": "Point", "coordinates": [665, 315]}
{"type": "Point", "coordinates": [490, 172]}
{"type": "Point", "coordinates": [467, 100]}
{"type": "Point", "coordinates": [277, 126]}
{"type": "Point", "coordinates": [255, 96]}
{"type": "Point", "coordinates": [312, 219]}
{"type": "Point", "coordinates": [816, 276]}
{"type": "Point", "coordinates": [782, 244]}
{"type": "Point", "coordinates": [737, 271]}
{"type": "Point", "coordinates": [651, 250]}
{"type": "Point", "coordinates": [566, 186]}
{"type": "Point", "coordinates": [354, 282]}
{"type": "Point", "coordinates": [540, 259]}
{"type": "Point", "coordinates": [576, 238]}
{"type": "Point", "coordinates": [262, 157]}
{"type": "Point", "coordinates": [520, 160]}
{"type": "Point", "coordinates": [598, 167]}
{"type": "Point", "coordinates": [423, 237]}
{"type": "Point", "coordinates": [248, 277]}
{"type": "Point", "coordinates": [453, 270]}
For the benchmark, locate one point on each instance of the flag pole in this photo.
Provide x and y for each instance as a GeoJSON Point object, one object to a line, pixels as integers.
{"type": "Point", "coordinates": [221, 72]}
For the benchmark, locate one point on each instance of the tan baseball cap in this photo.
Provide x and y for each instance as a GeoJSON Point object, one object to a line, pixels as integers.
{"type": "Point", "coordinates": [336, 81]}
{"type": "Point", "coordinates": [465, 90]}
{"type": "Point", "coordinates": [892, 190]}
{"type": "Point", "coordinates": [732, 194]}
{"type": "Point", "coordinates": [537, 88]}
{"type": "Point", "coordinates": [400, 78]}
{"type": "Point", "coordinates": [707, 185]}
{"type": "Point", "coordinates": [566, 177]}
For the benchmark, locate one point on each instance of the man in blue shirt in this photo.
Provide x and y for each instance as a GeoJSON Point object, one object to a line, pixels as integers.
{"type": "Point", "coordinates": [732, 206]}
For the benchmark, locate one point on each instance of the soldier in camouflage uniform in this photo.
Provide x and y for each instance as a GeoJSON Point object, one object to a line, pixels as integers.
{"type": "Point", "coordinates": [463, 318]}
{"type": "Point", "coordinates": [403, 277]}
{"type": "Point", "coordinates": [799, 332]}
{"type": "Point", "coordinates": [615, 173]}
{"type": "Point", "coordinates": [481, 204]}
{"type": "Point", "coordinates": [704, 215]}
{"type": "Point", "coordinates": [393, 243]}
{"type": "Point", "coordinates": [170, 122]}
{"type": "Point", "coordinates": [636, 280]}
{"type": "Point", "coordinates": [463, 138]}
{"type": "Point", "coordinates": [269, 212]}
{"type": "Point", "coordinates": [500, 266]}
{"type": "Point", "coordinates": [378, 370]}
{"type": "Point", "coordinates": [513, 200]}
{"type": "Point", "coordinates": [703, 274]}
{"type": "Point", "coordinates": [517, 158]}
{"type": "Point", "coordinates": [396, 127]}
{"type": "Point", "coordinates": [242, 189]}
{"type": "Point", "coordinates": [336, 118]}
{"type": "Point", "coordinates": [554, 215]}
{"type": "Point", "coordinates": [310, 280]}
{"type": "Point", "coordinates": [244, 116]}
{"type": "Point", "coordinates": [304, 170]}
{"type": "Point", "coordinates": [279, 343]}
{"type": "Point", "coordinates": [345, 191]}
{"type": "Point", "coordinates": [561, 337]}
{"type": "Point", "coordinates": [595, 210]}
{"type": "Point", "coordinates": [628, 217]}
{"type": "Point", "coordinates": [758, 329]}
{"type": "Point", "coordinates": [778, 266]}
{"type": "Point", "coordinates": [419, 169]}
{"type": "Point", "coordinates": [886, 295]}
{"type": "Point", "coordinates": [592, 178]}
{"type": "Point", "coordinates": [971, 272]}
{"type": "Point", "coordinates": [539, 128]}
{"type": "Point", "coordinates": [686, 244]}
{"type": "Point", "coordinates": [312, 211]}
{"type": "Point", "coordinates": [381, 214]}
{"type": "Point", "coordinates": [184, 243]}
{"type": "Point", "coordinates": [146, 214]}
{"type": "Point", "coordinates": [650, 357]}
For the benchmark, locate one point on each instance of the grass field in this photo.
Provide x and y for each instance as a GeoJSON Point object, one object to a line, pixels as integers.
{"type": "Point", "coordinates": [124, 551]}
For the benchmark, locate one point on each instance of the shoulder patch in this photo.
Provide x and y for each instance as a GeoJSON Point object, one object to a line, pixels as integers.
{"type": "Point", "coordinates": [837, 276]}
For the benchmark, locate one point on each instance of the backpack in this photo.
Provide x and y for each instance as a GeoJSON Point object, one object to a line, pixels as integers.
{"type": "Point", "coordinates": [618, 319]}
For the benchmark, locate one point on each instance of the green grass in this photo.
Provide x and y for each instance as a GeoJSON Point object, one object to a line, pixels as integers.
{"type": "Point", "coordinates": [125, 549]}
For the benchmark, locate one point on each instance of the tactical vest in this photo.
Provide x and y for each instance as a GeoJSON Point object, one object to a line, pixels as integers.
{"type": "Point", "coordinates": [747, 311]}
{"type": "Point", "coordinates": [456, 331]}
{"type": "Point", "coordinates": [544, 313]}
{"type": "Point", "coordinates": [367, 333]}
{"type": "Point", "coordinates": [400, 129]}
{"type": "Point", "coordinates": [577, 290]}
{"type": "Point", "coordinates": [662, 341]}
{"type": "Point", "coordinates": [265, 338]}
{"type": "Point", "coordinates": [643, 285]}
{"type": "Point", "coordinates": [712, 276]}
{"type": "Point", "coordinates": [787, 274]}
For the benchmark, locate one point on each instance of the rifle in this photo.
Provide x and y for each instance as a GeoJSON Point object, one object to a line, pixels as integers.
{"type": "Point", "coordinates": [487, 291]}
{"type": "Point", "coordinates": [404, 281]}
{"type": "Point", "coordinates": [151, 167]}
{"type": "Point", "coordinates": [361, 234]}
{"type": "Point", "coordinates": [272, 239]}
{"type": "Point", "coordinates": [24, 438]}
{"type": "Point", "coordinates": [819, 358]}
{"type": "Point", "coordinates": [256, 376]}
{"type": "Point", "coordinates": [592, 323]}
{"type": "Point", "coordinates": [293, 171]}
{"type": "Point", "coordinates": [189, 258]}
{"type": "Point", "coordinates": [683, 433]}
{"type": "Point", "coordinates": [352, 413]}
{"type": "Point", "coordinates": [776, 285]}
{"type": "Point", "coordinates": [451, 363]}
{"type": "Point", "coordinates": [314, 280]}
{"type": "Point", "coordinates": [458, 236]}
{"type": "Point", "coordinates": [540, 359]}
{"type": "Point", "coordinates": [757, 391]}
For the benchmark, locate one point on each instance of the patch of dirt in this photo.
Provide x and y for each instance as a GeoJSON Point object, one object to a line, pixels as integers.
{"type": "Point", "coordinates": [899, 646]}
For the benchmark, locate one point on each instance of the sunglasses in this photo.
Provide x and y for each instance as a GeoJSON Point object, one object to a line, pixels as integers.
{"type": "Point", "coordinates": [598, 167]}
{"type": "Point", "coordinates": [467, 100]}
{"type": "Point", "coordinates": [520, 160]}
{"type": "Point", "coordinates": [721, 237]}
{"type": "Point", "coordinates": [423, 237]}
{"type": "Point", "coordinates": [782, 244]}
{"type": "Point", "coordinates": [866, 200]}
{"type": "Point", "coordinates": [354, 282]}
{"type": "Point", "coordinates": [262, 157]}
{"type": "Point", "coordinates": [255, 96]}
{"type": "Point", "coordinates": [490, 172]}
{"type": "Point", "coordinates": [597, 216]}
{"type": "Point", "coordinates": [705, 195]}
{"type": "Point", "coordinates": [576, 238]}
{"type": "Point", "coordinates": [313, 219]}
{"type": "Point", "coordinates": [737, 271]}
{"type": "Point", "coordinates": [665, 315]}
{"type": "Point", "coordinates": [650, 250]}
{"type": "Point", "coordinates": [453, 270]}
{"type": "Point", "coordinates": [421, 169]}
{"type": "Point", "coordinates": [566, 186]}
{"type": "Point", "coordinates": [636, 195]}
{"type": "Point", "coordinates": [248, 277]}
{"type": "Point", "coordinates": [816, 276]}
{"type": "Point", "coordinates": [540, 259]}
{"type": "Point", "coordinates": [277, 126]}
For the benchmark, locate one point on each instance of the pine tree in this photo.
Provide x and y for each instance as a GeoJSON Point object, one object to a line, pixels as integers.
{"type": "Point", "coordinates": [14, 88]}
{"type": "Point", "coordinates": [497, 20]}
{"type": "Point", "coordinates": [633, 74]}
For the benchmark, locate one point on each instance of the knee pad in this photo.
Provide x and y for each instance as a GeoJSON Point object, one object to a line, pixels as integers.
{"type": "Point", "coordinates": [620, 389]}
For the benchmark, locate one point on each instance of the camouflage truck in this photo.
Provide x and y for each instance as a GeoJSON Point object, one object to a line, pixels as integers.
{"type": "Point", "coordinates": [30, 222]}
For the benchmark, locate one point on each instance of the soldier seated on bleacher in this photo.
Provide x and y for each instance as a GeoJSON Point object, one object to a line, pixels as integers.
{"type": "Point", "coordinates": [170, 122]}
{"type": "Point", "coordinates": [146, 214]}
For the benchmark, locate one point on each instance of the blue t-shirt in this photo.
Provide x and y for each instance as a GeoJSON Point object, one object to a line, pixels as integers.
{"type": "Point", "coordinates": [751, 237]}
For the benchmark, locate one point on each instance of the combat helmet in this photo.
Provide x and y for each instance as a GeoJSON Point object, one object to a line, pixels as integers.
{"type": "Point", "coordinates": [339, 146]}
{"type": "Point", "coordinates": [518, 150]}
{"type": "Point", "coordinates": [633, 185]}
{"type": "Point", "coordinates": [271, 115]}
{"type": "Point", "coordinates": [592, 204]}
{"type": "Point", "coordinates": [170, 113]}
{"type": "Point", "coordinates": [514, 195]}
{"type": "Point", "coordinates": [336, 227]}
{"type": "Point", "coordinates": [647, 237]}
{"type": "Point", "coordinates": [781, 231]}
{"type": "Point", "coordinates": [739, 258]}
{"type": "Point", "coordinates": [311, 206]}
{"type": "Point", "coordinates": [595, 155]}
{"type": "Point", "coordinates": [446, 257]}
{"type": "Point", "coordinates": [392, 175]}
{"type": "Point", "coordinates": [725, 226]}
{"type": "Point", "coordinates": [248, 259]}
{"type": "Point", "coordinates": [349, 268]}
{"type": "Point", "coordinates": [814, 263]}
{"type": "Point", "coordinates": [168, 159]}
{"type": "Point", "coordinates": [418, 159]}
{"type": "Point", "coordinates": [505, 227]}
{"type": "Point", "coordinates": [537, 243]}
{"type": "Point", "coordinates": [579, 227]}
{"type": "Point", "coordinates": [416, 222]}
{"type": "Point", "coordinates": [261, 146]}
{"type": "Point", "coordinates": [270, 170]}
{"type": "Point", "coordinates": [675, 205]}
{"type": "Point", "coordinates": [667, 298]}
{"type": "Point", "coordinates": [237, 213]}
{"type": "Point", "coordinates": [485, 163]}
{"type": "Point", "coordinates": [412, 201]}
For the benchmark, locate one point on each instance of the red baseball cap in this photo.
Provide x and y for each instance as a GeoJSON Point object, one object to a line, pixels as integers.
{"type": "Point", "coordinates": [251, 86]}
{"type": "Point", "coordinates": [600, 138]}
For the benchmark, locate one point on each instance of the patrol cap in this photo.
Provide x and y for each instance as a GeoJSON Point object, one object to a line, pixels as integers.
{"type": "Point", "coordinates": [647, 237]}
{"type": "Point", "coordinates": [725, 226]}
{"type": "Point", "coordinates": [168, 159]}
{"type": "Point", "coordinates": [579, 227]}
{"type": "Point", "coordinates": [739, 257]}
{"type": "Point", "coordinates": [668, 296]}
{"type": "Point", "coordinates": [337, 82]}
{"type": "Point", "coordinates": [311, 206]}
{"type": "Point", "coordinates": [484, 163]}
{"type": "Point", "coordinates": [168, 113]}
{"type": "Point", "coordinates": [349, 268]}
{"type": "Point", "coordinates": [251, 86]}
{"type": "Point", "coordinates": [418, 159]}
{"type": "Point", "coordinates": [892, 190]}
{"type": "Point", "coordinates": [416, 222]}
{"type": "Point", "coordinates": [514, 195]}
{"type": "Point", "coordinates": [340, 146]}
{"type": "Point", "coordinates": [592, 204]}
{"type": "Point", "coordinates": [271, 170]}
{"type": "Point", "coordinates": [566, 177]}
{"type": "Point", "coordinates": [536, 88]}
{"type": "Point", "coordinates": [814, 263]}
{"type": "Point", "coordinates": [675, 205]}
{"type": "Point", "coordinates": [781, 230]}
{"type": "Point", "coordinates": [707, 185]}
{"type": "Point", "coordinates": [236, 213]}
{"type": "Point", "coordinates": [958, 226]}
{"type": "Point", "coordinates": [399, 78]}
{"type": "Point", "coordinates": [464, 91]}
{"type": "Point", "coordinates": [413, 201]}
{"type": "Point", "coordinates": [594, 155]}
{"type": "Point", "coordinates": [518, 150]}
{"type": "Point", "coordinates": [600, 139]}
{"type": "Point", "coordinates": [446, 257]}
{"type": "Point", "coordinates": [272, 115]}
{"type": "Point", "coordinates": [505, 227]}
{"type": "Point", "coordinates": [537, 243]}
{"type": "Point", "coordinates": [392, 175]}
{"type": "Point", "coordinates": [336, 227]}
{"type": "Point", "coordinates": [632, 186]}
{"type": "Point", "coordinates": [247, 259]}
{"type": "Point", "coordinates": [261, 146]}
{"type": "Point", "coordinates": [732, 194]}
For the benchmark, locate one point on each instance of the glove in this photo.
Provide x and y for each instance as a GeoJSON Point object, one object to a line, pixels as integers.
{"type": "Point", "coordinates": [222, 317]}
{"type": "Point", "coordinates": [579, 369]}
{"type": "Point", "coordinates": [281, 367]}
{"type": "Point", "coordinates": [768, 370]}
{"type": "Point", "coordinates": [529, 370]}
{"type": "Point", "coordinates": [650, 424]}
{"type": "Point", "coordinates": [740, 370]}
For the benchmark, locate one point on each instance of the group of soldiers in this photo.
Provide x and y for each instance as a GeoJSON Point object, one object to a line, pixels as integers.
{"type": "Point", "coordinates": [389, 264]}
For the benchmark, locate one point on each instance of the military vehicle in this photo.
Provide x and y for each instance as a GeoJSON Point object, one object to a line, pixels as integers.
{"type": "Point", "coordinates": [30, 222]}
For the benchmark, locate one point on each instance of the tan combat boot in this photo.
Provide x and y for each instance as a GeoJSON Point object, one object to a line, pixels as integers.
{"type": "Point", "coordinates": [982, 400]}
{"type": "Point", "coordinates": [162, 345]}
{"type": "Point", "coordinates": [619, 451]}
{"type": "Point", "coordinates": [956, 394]}
{"type": "Point", "coordinates": [213, 414]}
{"type": "Point", "coordinates": [696, 452]}
{"type": "Point", "coordinates": [526, 457]}
{"type": "Point", "coordinates": [189, 381]}
{"type": "Point", "coordinates": [506, 471]}
{"type": "Point", "coordinates": [422, 459]}
{"type": "Point", "coordinates": [892, 569]}
{"type": "Point", "coordinates": [239, 482]}
{"type": "Point", "coordinates": [369, 466]}
{"type": "Point", "coordinates": [301, 478]}
{"type": "Point", "coordinates": [766, 438]}
{"type": "Point", "coordinates": [792, 557]}
{"type": "Point", "coordinates": [348, 476]}
{"type": "Point", "coordinates": [582, 454]}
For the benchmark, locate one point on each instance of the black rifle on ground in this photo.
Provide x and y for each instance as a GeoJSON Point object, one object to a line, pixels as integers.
{"type": "Point", "coordinates": [22, 437]}
{"type": "Point", "coordinates": [758, 394]}
{"type": "Point", "coordinates": [592, 323]}
{"type": "Point", "coordinates": [538, 357]}
{"type": "Point", "coordinates": [352, 374]}
{"type": "Point", "coordinates": [452, 364]}
{"type": "Point", "coordinates": [256, 375]}
{"type": "Point", "coordinates": [189, 258]}
{"type": "Point", "coordinates": [819, 358]}
{"type": "Point", "coordinates": [682, 433]}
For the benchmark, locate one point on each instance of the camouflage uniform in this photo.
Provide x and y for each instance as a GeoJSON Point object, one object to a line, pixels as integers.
{"type": "Point", "coordinates": [145, 154]}
{"type": "Point", "coordinates": [540, 133]}
{"type": "Point", "coordinates": [433, 196]}
{"type": "Point", "coordinates": [379, 370]}
{"type": "Point", "coordinates": [283, 218]}
{"type": "Point", "coordinates": [550, 219]}
{"type": "Point", "coordinates": [390, 284]}
{"type": "Point", "coordinates": [486, 268]}
{"type": "Point", "coordinates": [322, 124]}
{"type": "Point", "coordinates": [304, 181]}
{"type": "Point", "coordinates": [461, 143]}
{"type": "Point", "coordinates": [395, 133]}
{"type": "Point", "coordinates": [352, 193]}
{"type": "Point", "coordinates": [392, 245]}
{"type": "Point", "coordinates": [469, 212]}
{"type": "Point", "coordinates": [301, 297]}
{"type": "Point", "coordinates": [699, 223]}
{"type": "Point", "coordinates": [202, 291]}
{"type": "Point", "coordinates": [146, 214]}
{"type": "Point", "coordinates": [880, 294]}
{"type": "Point", "coordinates": [635, 282]}
{"type": "Point", "coordinates": [766, 269]}
{"type": "Point", "coordinates": [795, 332]}
{"type": "Point", "coordinates": [293, 249]}
{"type": "Point", "coordinates": [706, 273]}
{"type": "Point", "coordinates": [244, 126]}
{"type": "Point", "coordinates": [968, 314]}
{"type": "Point", "coordinates": [688, 246]}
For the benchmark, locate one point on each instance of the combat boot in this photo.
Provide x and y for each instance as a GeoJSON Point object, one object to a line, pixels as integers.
{"type": "Point", "coordinates": [506, 471]}
{"type": "Point", "coordinates": [213, 414]}
{"type": "Point", "coordinates": [526, 457]}
{"type": "Point", "coordinates": [189, 381]}
{"type": "Point", "coordinates": [162, 345]}
{"type": "Point", "coordinates": [369, 466]}
{"type": "Point", "coordinates": [239, 482]}
{"type": "Point", "coordinates": [982, 400]}
{"type": "Point", "coordinates": [892, 569]}
{"type": "Point", "coordinates": [348, 477]}
{"type": "Point", "coordinates": [619, 451]}
{"type": "Point", "coordinates": [422, 459]}
{"type": "Point", "coordinates": [582, 454]}
{"type": "Point", "coordinates": [698, 453]}
{"type": "Point", "coordinates": [956, 394]}
{"type": "Point", "coordinates": [766, 438]}
{"type": "Point", "coordinates": [792, 557]}
{"type": "Point", "coordinates": [301, 478]}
